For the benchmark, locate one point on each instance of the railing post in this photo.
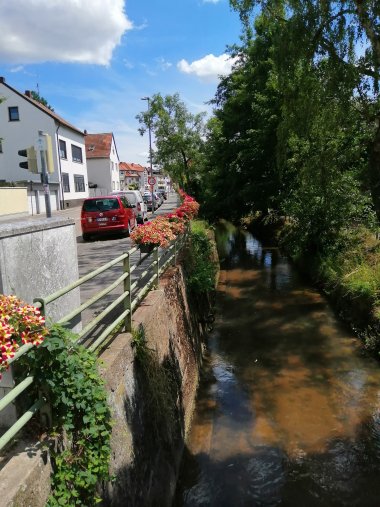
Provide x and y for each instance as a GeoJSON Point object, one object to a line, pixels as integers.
{"type": "Point", "coordinates": [127, 288]}
{"type": "Point", "coordinates": [155, 258]}
{"type": "Point", "coordinates": [175, 252]}
{"type": "Point", "coordinates": [45, 410]}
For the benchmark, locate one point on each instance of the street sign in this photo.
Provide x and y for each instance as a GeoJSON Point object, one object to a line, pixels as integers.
{"type": "Point", "coordinates": [151, 180]}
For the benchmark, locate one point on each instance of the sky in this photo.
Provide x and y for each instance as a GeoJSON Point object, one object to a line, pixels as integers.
{"type": "Point", "coordinates": [93, 60]}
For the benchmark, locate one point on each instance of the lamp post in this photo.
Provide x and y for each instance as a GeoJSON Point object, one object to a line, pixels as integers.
{"type": "Point", "coordinates": [150, 151]}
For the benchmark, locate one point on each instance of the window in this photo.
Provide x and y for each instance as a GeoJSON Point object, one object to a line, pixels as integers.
{"type": "Point", "coordinates": [79, 183]}
{"type": "Point", "coordinates": [13, 113]}
{"type": "Point", "coordinates": [65, 182]}
{"type": "Point", "coordinates": [76, 153]}
{"type": "Point", "coordinates": [1, 146]}
{"type": "Point", "coordinates": [62, 149]}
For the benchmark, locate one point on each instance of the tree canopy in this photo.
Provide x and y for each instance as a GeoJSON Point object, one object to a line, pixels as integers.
{"type": "Point", "coordinates": [178, 136]}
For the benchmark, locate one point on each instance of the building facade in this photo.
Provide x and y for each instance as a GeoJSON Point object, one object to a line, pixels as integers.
{"type": "Point", "coordinates": [102, 163]}
{"type": "Point", "coordinates": [21, 120]}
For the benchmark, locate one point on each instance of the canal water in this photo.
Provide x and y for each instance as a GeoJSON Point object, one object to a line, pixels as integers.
{"type": "Point", "coordinates": [288, 412]}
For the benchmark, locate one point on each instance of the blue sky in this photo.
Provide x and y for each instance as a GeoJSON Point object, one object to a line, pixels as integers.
{"type": "Point", "coordinates": [93, 60]}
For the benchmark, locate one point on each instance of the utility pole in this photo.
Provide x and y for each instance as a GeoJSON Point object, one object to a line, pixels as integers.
{"type": "Point", "coordinates": [150, 152]}
{"type": "Point", "coordinates": [44, 172]}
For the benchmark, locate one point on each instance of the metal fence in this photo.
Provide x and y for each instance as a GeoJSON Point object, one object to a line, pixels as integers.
{"type": "Point", "coordinates": [119, 312]}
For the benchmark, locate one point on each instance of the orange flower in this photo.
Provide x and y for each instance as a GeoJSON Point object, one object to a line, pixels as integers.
{"type": "Point", "coordinates": [20, 323]}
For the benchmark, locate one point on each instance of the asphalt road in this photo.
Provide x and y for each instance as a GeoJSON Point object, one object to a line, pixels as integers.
{"type": "Point", "coordinates": [93, 254]}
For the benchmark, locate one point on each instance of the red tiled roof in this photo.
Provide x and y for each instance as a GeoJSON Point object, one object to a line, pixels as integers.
{"type": "Point", "coordinates": [98, 145]}
{"type": "Point", "coordinates": [131, 166]}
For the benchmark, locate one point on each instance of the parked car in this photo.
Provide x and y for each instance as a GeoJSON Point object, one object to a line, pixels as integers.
{"type": "Point", "coordinates": [162, 193]}
{"type": "Point", "coordinates": [113, 213]}
{"type": "Point", "coordinates": [159, 199]}
{"type": "Point", "coordinates": [148, 201]}
{"type": "Point", "coordinates": [135, 197]}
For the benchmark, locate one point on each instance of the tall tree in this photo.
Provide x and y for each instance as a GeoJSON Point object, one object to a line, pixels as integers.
{"type": "Point", "coordinates": [241, 173]}
{"type": "Point", "coordinates": [347, 34]}
{"type": "Point", "coordinates": [178, 137]}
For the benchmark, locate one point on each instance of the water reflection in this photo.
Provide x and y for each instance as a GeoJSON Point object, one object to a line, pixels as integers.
{"type": "Point", "coordinates": [289, 413]}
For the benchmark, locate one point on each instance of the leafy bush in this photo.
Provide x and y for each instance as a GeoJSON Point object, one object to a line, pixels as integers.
{"type": "Point", "coordinates": [200, 268]}
{"type": "Point", "coordinates": [81, 425]}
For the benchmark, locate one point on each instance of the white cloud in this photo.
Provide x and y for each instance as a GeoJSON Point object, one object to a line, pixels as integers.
{"type": "Point", "coordinates": [208, 68]}
{"type": "Point", "coordinates": [163, 64]}
{"type": "Point", "coordinates": [83, 31]}
{"type": "Point", "coordinates": [211, 1]}
{"type": "Point", "coordinates": [19, 68]}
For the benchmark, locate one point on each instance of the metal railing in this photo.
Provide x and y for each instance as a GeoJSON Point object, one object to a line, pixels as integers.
{"type": "Point", "coordinates": [120, 310]}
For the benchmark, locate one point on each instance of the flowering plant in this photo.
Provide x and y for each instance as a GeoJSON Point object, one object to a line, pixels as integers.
{"type": "Point", "coordinates": [177, 223]}
{"type": "Point", "coordinates": [20, 323]}
{"type": "Point", "coordinates": [157, 232]}
{"type": "Point", "coordinates": [165, 228]}
{"type": "Point", "coordinates": [189, 207]}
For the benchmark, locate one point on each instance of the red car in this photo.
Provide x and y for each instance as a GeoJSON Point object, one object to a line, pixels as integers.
{"type": "Point", "coordinates": [105, 214]}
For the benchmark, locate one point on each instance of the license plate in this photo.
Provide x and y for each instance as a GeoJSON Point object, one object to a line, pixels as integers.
{"type": "Point", "coordinates": [102, 219]}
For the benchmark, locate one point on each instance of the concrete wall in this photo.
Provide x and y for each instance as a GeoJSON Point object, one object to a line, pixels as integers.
{"type": "Point", "coordinates": [37, 258]}
{"type": "Point", "coordinates": [13, 201]}
{"type": "Point", "coordinates": [146, 447]}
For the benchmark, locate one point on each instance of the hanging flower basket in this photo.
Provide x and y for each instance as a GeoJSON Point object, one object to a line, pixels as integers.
{"type": "Point", "coordinates": [147, 247]}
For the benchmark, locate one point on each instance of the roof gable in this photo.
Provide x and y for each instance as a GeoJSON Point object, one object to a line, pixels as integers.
{"type": "Point", "coordinates": [98, 145]}
{"type": "Point", "coordinates": [41, 107]}
{"type": "Point", "coordinates": [131, 166]}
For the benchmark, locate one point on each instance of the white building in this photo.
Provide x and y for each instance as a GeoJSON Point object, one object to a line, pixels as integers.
{"type": "Point", "coordinates": [21, 118]}
{"type": "Point", "coordinates": [132, 174]}
{"type": "Point", "coordinates": [102, 163]}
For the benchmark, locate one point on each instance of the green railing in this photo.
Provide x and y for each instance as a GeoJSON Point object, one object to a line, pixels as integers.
{"type": "Point", "coordinates": [133, 292]}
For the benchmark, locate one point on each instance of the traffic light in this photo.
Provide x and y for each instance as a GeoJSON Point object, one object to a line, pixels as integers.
{"type": "Point", "coordinates": [31, 155]}
{"type": "Point", "coordinates": [49, 154]}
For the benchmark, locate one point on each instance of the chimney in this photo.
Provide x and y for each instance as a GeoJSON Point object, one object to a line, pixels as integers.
{"type": "Point", "coordinates": [28, 93]}
{"type": "Point", "coordinates": [2, 79]}
{"type": "Point", "coordinates": [85, 132]}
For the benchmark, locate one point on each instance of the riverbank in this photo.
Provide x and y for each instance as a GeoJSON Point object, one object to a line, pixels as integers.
{"type": "Point", "coordinates": [348, 274]}
{"type": "Point", "coordinates": [287, 411]}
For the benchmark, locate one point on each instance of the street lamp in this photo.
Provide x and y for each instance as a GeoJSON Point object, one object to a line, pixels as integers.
{"type": "Point", "coordinates": [150, 151]}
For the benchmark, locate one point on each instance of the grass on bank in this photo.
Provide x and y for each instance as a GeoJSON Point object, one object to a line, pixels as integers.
{"type": "Point", "coordinates": [349, 273]}
{"type": "Point", "coordinates": [356, 268]}
{"type": "Point", "coordinates": [200, 266]}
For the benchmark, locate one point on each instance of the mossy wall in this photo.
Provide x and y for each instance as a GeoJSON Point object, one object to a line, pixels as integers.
{"type": "Point", "coordinates": [152, 395]}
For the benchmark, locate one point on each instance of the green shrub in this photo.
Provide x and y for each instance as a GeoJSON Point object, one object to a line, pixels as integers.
{"type": "Point", "coordinates": [81, 419]}
{"type": "Point", "coordinates": [199, 265]}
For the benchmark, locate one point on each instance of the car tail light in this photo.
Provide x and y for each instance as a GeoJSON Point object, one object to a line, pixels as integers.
{"type": "Point", "coordinates": [89, 219]}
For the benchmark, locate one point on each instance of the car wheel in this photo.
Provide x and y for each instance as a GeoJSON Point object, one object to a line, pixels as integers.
{"type": "Point", "coordinates": [86, 236]}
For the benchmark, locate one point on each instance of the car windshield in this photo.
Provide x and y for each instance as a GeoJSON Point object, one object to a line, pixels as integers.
{"type": "Point", "coordinates": [100, 204]}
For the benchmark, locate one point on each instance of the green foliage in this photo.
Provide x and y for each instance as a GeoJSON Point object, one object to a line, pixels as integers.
{"type": "Point", "coordinates": [239, 170]}
{"type": "Point", "coordinates": [36, 96]}
{"type": "Point", "coordinates": [178, 137]}
{"type": "Point", "coordinates": [68, 373]}
{"type": "Point", "coordinates": [199, 265]}
{"type": "Point", "coordinates": [160, 386]}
